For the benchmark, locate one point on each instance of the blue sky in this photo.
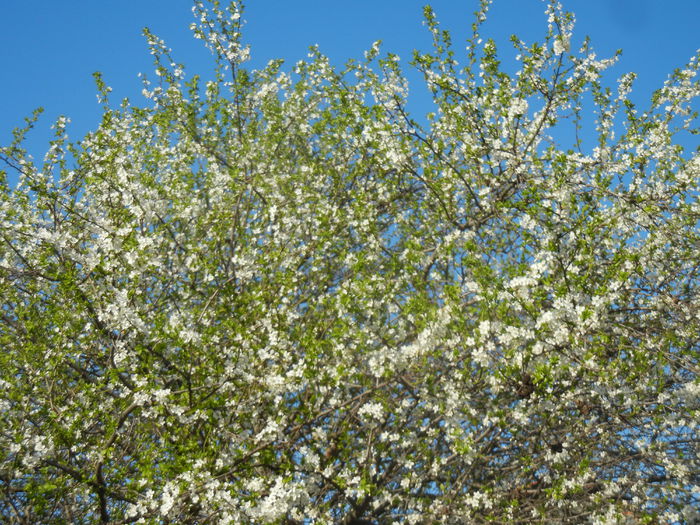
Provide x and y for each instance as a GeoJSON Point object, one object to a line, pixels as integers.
{"type": "Point", "coordinates": [50, 49]}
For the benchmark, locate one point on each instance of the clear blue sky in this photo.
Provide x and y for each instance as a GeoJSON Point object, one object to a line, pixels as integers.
{"type": "Point", "coordinates": [50, 49]}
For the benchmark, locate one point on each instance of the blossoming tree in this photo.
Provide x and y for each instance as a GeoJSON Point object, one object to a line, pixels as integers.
{"type": "Point", "coordinates": [276, 297]}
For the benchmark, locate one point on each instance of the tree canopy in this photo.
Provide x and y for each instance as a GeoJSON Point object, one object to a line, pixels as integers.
{"type": "Point", "coordinates": [275, 296]}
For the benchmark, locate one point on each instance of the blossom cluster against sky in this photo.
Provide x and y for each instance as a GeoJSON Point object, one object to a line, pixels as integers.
{"type": "Point", "coordinates": [50, 49]}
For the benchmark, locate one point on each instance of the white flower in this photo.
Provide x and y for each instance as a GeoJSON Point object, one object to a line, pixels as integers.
{"type": "Point", "coordinates": [170, 493]}
{"type": "Point", "coordinates": [517, 108]}
{"type": "Point", "coordinates": [561, 45]}
{"type": "Point", "coordinates": [372, 410]}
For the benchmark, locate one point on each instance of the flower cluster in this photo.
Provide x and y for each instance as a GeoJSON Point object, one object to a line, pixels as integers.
{"type": "Point", "coordinates": [278, 298]}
